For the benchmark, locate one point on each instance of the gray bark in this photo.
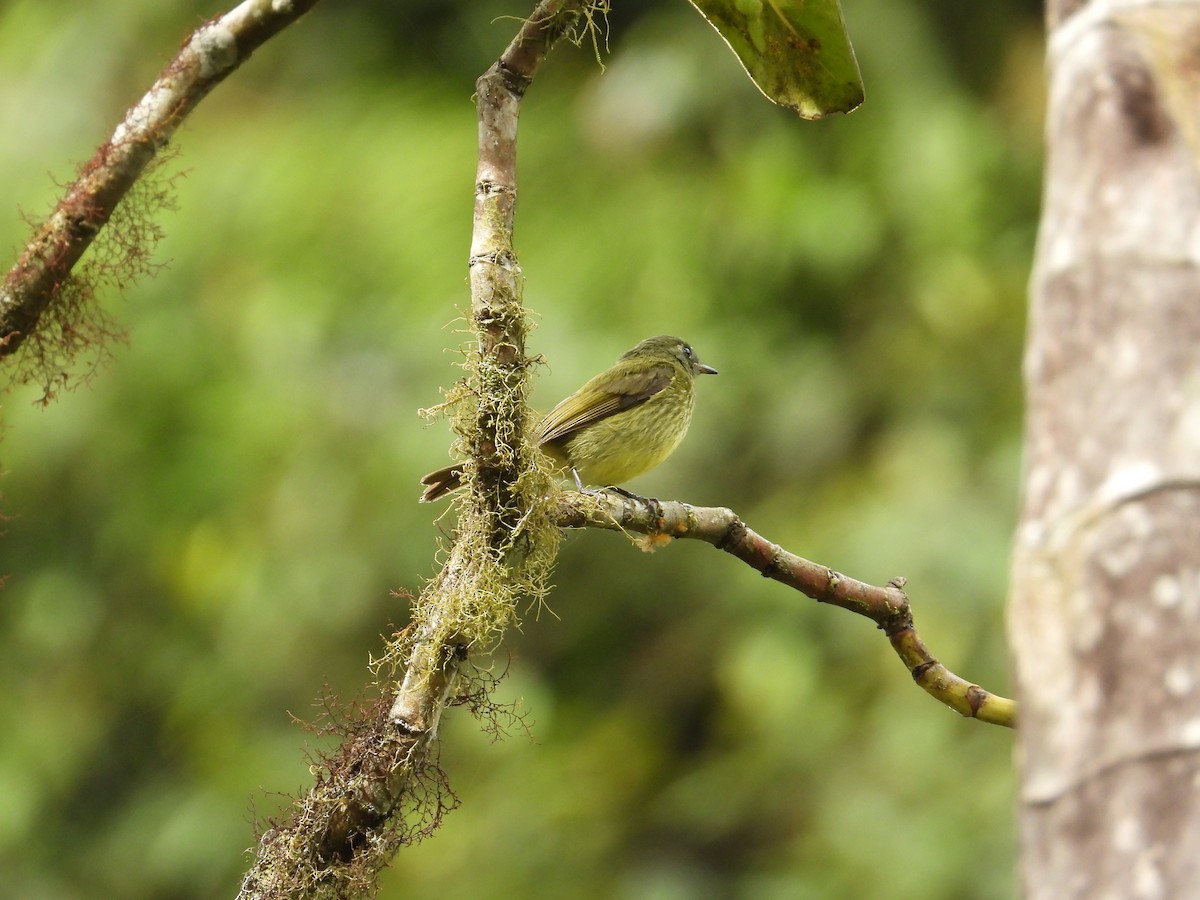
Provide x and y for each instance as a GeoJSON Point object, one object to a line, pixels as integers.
{"type": "Point", "coordinates": [1105, 609]}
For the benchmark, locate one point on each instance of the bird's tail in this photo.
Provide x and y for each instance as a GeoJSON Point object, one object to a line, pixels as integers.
{"type": "Point", "coordinates": [441, 482]}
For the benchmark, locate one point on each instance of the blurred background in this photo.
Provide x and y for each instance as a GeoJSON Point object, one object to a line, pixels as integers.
{"type": "Point", "coordinates": [206, 538]}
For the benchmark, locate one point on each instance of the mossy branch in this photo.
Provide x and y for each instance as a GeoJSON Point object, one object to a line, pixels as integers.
{"type": "Point", "coordinates": [886, 606]}
{"type": "Point", "coordinates": [38, 295]}
{"type": "Point", "coordinates": [383, 788]}
{"type": "Point", "coordinates": [505, 542]}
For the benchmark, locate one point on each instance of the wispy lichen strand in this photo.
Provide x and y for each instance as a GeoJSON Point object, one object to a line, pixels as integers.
{"type": "Point", "coordinates": [384, 786]}
{"type": "Point", "coordinates": [41, 290]}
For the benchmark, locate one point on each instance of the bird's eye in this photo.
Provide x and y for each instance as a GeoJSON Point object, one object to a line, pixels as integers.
{"type": "Point", "coordinates": [687, 351]}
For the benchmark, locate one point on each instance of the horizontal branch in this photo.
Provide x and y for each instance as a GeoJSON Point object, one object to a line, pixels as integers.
{"type": "Point", "coordinates": [886, 606]}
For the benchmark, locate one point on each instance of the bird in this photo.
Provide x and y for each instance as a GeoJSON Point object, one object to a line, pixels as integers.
{"type": "Point", "coordinates": [619, 424]}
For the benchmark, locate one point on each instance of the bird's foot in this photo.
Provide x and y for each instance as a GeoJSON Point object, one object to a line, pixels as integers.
{"type": "Point", "coordinates": [630, 495]}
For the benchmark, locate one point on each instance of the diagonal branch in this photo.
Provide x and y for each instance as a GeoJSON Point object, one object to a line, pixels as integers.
{"type": "Point", "coordinates": [887, 606]}
{"type": "Point", "coordinates": [35, 284]}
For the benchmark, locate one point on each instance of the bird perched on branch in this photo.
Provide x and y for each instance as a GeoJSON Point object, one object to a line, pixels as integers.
{"type": "Point", "coordinates": [621, 423]}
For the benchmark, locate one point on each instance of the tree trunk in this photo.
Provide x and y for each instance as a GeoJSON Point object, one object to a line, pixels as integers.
{"type": "Point", "coordinates": [1105, 611]}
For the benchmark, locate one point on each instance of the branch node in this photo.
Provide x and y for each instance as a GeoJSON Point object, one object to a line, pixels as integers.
{"type": "Point", "coordinates": [772, 566]}
{"type": "Point", "coordinates": [732, 536]}
{"type": "Point", "coordinates": [918, 672]}
{"type": "Point", "coordinates": [505, 259]}
{"type": "Point", "coordinates": [487, 188]}
{"type": "Point", "coordinates": [898, 621]}
{"type": "Point", "coordinates": [976, 697]}
{"type": "Point", "coordinates": [515, 82]}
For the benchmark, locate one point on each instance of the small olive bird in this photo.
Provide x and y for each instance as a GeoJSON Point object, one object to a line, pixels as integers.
{"type": "Point", "coordinates": [623, 422]}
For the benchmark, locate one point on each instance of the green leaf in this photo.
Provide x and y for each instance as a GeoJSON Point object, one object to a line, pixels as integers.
{"type": "Point", "coordinates": [796, 51]}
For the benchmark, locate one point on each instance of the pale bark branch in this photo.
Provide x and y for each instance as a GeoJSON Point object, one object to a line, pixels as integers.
{"type": "Point", "coordinates": [33, 285]}
{"type": "Point", "coordinates": [492, 508]}
{"type": "Point", "coordinates": [886, 606]}
{"type": "Point", "coordinates": [348, 827]}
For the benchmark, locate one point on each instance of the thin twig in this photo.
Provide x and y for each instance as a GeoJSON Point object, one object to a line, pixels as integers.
{"type": "Point", "coordinates": [886, 606]}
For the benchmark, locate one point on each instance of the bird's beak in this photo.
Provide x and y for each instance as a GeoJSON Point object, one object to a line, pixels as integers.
{"type": "Point", "coordinates": [705, 370]}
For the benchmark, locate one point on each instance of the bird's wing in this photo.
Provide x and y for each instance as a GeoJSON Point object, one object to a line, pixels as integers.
{"type": "Point", "coordinates": [589, 405]}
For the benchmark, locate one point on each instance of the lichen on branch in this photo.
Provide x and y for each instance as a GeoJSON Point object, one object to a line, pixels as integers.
{"type": "Point", "coordinates": [48, 304]}
{"type": "Point", "coordinates": [348, 827]}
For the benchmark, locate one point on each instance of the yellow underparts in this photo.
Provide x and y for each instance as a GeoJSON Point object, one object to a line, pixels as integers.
{"type": "Point", "coordinates": [631, 442]}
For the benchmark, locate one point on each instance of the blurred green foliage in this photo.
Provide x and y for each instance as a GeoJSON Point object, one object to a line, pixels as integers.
{"type": "Point", "coordinates": [205, 538]}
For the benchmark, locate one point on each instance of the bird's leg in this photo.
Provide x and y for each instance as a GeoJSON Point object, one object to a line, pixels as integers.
{"type": "Point", "coordinates": [656, 510]}
{"type": "Point", "coordinates": [612, 487]}
{"type": "Point", "coordinates": [595, 492]}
